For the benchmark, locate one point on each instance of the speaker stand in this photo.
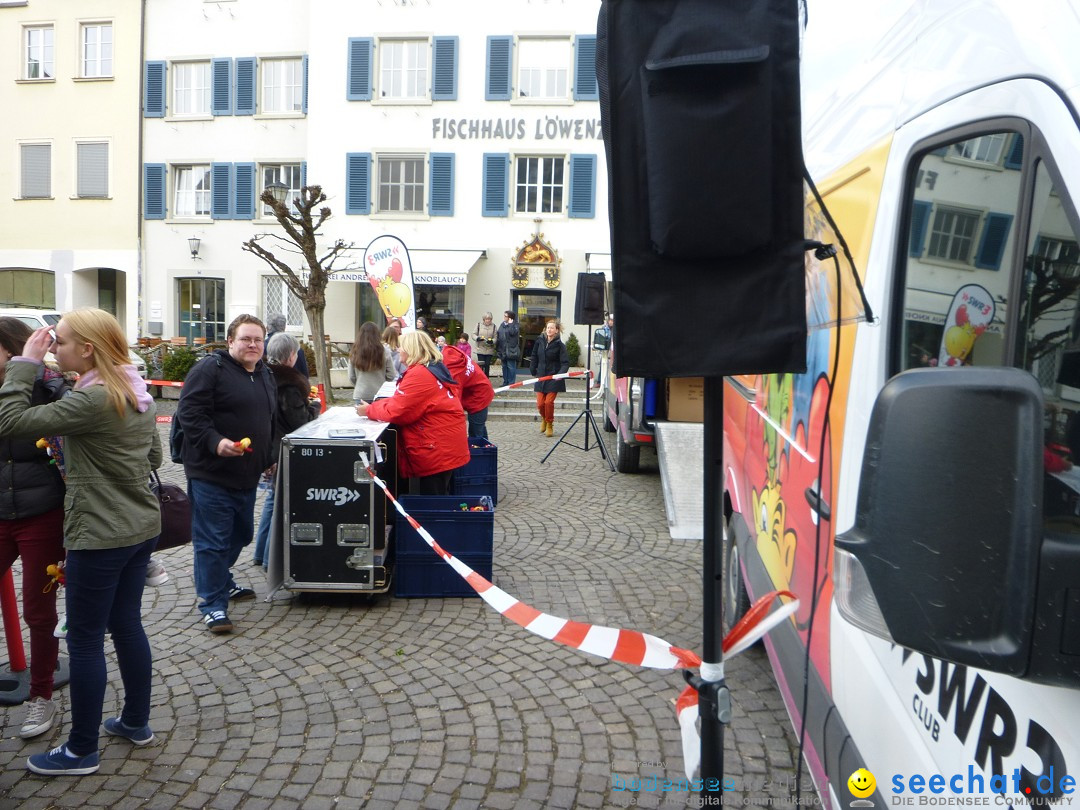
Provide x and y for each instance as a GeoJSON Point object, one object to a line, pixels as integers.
{"type": "Point", "coordinates": [590, 421]}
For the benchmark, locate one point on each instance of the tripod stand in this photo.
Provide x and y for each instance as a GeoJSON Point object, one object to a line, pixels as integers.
{"type": "Point", "coordinates": [586, 414]}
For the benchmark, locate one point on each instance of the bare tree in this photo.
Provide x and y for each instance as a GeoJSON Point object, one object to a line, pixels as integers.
{"type": "Point", "coordinates": [301, 229]}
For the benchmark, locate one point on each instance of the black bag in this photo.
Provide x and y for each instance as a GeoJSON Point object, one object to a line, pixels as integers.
{"type": "Point", "coordinates": [175, 513]}
{"type": "Point", "coordinates": [176, 442]}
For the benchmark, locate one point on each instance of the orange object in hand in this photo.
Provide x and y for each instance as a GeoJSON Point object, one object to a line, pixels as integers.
{"type": "Point", "coordinates": [244, 444]}
{"type": "Point", "coordinates": [56, 576]}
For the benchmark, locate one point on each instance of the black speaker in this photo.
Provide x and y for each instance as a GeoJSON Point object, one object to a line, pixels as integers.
{"type": "Point", "coordinates": [589, 307]}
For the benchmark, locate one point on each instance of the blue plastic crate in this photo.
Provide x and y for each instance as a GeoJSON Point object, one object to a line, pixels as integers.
{"type": "Point", "coordinates": [459, 533]}
{"type": "Point", "coordinates": [476, 485]}
{"type": "Point", "coordinates": [429, 575]}
{"type": "Point", "coordinates": [484, 458]}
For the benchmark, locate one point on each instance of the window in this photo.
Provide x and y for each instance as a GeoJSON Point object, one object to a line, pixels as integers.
{"type": "Point", "coordinates": [282, 85]}
{"type": "Point", "coordinates": [93, 170]}
{"type": "Point", "coordinates": [97, 42]}
{"type": "Point", "coordinates": [288, 173]}
{"type": "Point", "coordinates": [403, 69]}
{"type": "Point", "coordinates": [279, 300]}
{"type": "Point", "coordinates": [952, 235]}
{"type": "Point", "coordinates": [401, 183]}
{"type": "Point", "coordinates": [39, 52]}
{"type": "Point", "coordinates": [984, 149]}
{"type": "Point", "coordinates": [192, 185]}
{"type": "Point", "coordinates": [1062, 256]}
{"type": "Point", "coordinates": [539, 185]}
{"type": "Point", "coordinates": [191, 88]}
{"type": "Point", "coordinates": [36, 171]}
{"type": "Point", "coordinates": [543, 68]}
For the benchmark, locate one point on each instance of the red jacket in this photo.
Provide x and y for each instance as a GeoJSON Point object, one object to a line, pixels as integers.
{"type": "Point", "coordinates": [427, 410]}
{"type": "Point", "coordinates": [476, 390]}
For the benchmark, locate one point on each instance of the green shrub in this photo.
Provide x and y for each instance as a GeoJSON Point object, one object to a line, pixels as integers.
{"type": "Point", "coordinates": [178, 363]}
{"type": "Point", "coordinates": [573, 349]}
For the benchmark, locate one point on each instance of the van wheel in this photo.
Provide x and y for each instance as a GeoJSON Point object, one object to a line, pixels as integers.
{"type": "Point", "coordinates": [736, 600]}
{"type": "Point", "coordinates": [627, 456]}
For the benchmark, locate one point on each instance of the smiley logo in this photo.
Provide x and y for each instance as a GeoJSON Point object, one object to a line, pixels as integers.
{"type": "Point", "coordinates": [861, 783]}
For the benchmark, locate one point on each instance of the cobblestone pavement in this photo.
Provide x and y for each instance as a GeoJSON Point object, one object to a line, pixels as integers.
{"type": "Point", "coordinates": [342, 701]}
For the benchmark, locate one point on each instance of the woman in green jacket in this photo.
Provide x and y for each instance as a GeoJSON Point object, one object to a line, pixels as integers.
{"type": "Point", "coordinates": [111, 519]}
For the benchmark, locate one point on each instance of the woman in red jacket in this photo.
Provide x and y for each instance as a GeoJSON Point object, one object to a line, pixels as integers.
{"type": "Point", "coordinates": [427, 408]}
{"type": "Point", "coordinates": [476, 390]}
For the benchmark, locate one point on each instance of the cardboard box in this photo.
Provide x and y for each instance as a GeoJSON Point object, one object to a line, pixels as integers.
{"type": "Point", "coordinates": [686, 399]}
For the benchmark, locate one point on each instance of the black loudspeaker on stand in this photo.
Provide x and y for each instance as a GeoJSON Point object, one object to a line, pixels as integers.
{"type": "Point", "coordinates": [586, 414]}
{"type": "Point", "coordinates": [589, 306]}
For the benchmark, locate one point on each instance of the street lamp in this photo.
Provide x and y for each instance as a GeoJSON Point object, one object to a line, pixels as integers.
{"type": "Point", "coordinates": [278, 190]}
{"type": "Point", "coordinates": [193, 243]}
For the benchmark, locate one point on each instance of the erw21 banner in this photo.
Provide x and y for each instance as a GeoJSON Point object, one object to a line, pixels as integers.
{"type": "Point", "coordinates": [971, 312]}
{"type": "Point", "coordinates": [389, 271]}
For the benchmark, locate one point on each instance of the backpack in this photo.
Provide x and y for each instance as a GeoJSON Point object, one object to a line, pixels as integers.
{"type": "Point", "coordinates": [176, 434]}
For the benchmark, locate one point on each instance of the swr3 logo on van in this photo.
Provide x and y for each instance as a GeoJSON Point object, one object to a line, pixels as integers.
{"type": "Point", "coordinates": [861, 784]}
{"type": "Point", "coordinates": [339, 495]}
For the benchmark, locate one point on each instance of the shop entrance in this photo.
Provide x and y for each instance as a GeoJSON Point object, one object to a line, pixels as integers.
{"type": "Point", "coordinates": [534, 309]}
{"type": "Point", "coordinates": [201, 309]}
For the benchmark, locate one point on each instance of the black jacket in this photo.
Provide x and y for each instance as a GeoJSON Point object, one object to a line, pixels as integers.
{"type": "Point", "coordinates": [506, 341]}
{"type": "Point", "coordinates": [221, 399]}
{"type": "Point", "coordinates": [30, 484]}
{"type": "Point", "coordinates": [293, 406]}
{"type": "Point", "coordinates": [549, 358]}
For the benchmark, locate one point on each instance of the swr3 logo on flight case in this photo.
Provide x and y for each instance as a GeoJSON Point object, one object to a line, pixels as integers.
{"type": "Point", "coordinates": [339, 495]}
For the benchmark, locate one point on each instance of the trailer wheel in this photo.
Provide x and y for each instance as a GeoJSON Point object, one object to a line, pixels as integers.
{"type": "Point", "coordinates": [627, 456]}
{"type": "Point", "coordinates": [736, 600]}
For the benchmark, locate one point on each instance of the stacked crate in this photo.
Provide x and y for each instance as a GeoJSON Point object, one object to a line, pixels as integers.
{"type": "Point", "coordinates": [481, 475]}
{"type": "Point", "coordinates": [457, 529]}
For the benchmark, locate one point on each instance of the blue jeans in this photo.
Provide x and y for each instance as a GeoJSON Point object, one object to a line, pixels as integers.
{"type": "Point", "coordinates": [478, 424]}
{"type": "Point", "coordinates": [262, 554]}
{"type": "Point", "coordinates": [222, 521]}
{"type": "Point", "coordinates": [509, 367]}
{"type": "Point", "coordinates": [104, 592]}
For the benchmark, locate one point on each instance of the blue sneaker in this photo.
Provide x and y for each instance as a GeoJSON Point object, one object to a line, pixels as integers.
{"type": "Point", "coordinates": [59, 762]}
{"type": "Point", "coordinates": [138, 736]}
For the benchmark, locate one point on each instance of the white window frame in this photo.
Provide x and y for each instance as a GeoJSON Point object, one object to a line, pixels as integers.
{"type": "Point", "coordinates": [404, 70]}
{"type": "Point", "coordinates": [108, 168]}
{"type": "Point", "coordinates": [281, 85]}
{"type": "Point", "coordinates": [951, 236]}
{"type": "Point", "coordinates": [49, 194]}
{"type": "Point", "coordinates": [401, 186]}
{"type": "Point", "coordinates": [983, 150]}
{"type": "Point", "coordinates": [189, 87]}
{"type": "Point", "coordinates": [99, 63]}
{"type": "Point", "coordinates": [544, 69]}
{"type": "Point", "coordinates": [535, 180]}
{"type": "Point", "coordinates": [292, 181]}
{"type": "Point", "coordinates": [197, 196]}
{"type": "Point", "coordinates": [46, 49]}
{"type": "Point", "coordinates": [294, 307]}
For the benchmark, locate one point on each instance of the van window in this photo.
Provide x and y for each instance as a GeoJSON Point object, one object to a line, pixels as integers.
{"type": "Point", "coordinates": [958, 248]}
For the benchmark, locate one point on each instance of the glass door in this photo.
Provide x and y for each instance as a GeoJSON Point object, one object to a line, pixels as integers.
{"type": "Point", "coordinates": [534, 310]}
{"type": "Point", "coordinates": [201, 309]}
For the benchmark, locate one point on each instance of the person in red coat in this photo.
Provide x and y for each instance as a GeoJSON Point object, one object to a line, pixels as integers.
{"type": "Point", "coordinates": [476, 390]}
{"type": "Point", "coordinates": [428, 410]}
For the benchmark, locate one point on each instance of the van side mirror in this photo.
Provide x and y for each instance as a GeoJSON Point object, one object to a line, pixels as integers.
{"type": "Point", "coordinates": [945, 557]}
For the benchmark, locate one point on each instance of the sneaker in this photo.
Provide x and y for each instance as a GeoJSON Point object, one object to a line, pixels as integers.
{"type": "Point", "coordinates": [218, 622]}
{"type": "Point", "coordinates": [40, 716]}
{"type": "Point", "coordinates": [156, 573]}
{"type": "Point", "coordinates": [138, 736]}
{"type": "Point", "coordinates": [59, 762]}
{"type": "Point", "coordinates": [60, 631]}
{"type": "Point", "coordinates": [238, 594]}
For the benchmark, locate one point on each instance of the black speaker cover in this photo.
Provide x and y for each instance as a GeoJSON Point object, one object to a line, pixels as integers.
{"type": "Point", "coordinates": [699, 103]}
{"type": "Point", "coordinates": [589, 305]}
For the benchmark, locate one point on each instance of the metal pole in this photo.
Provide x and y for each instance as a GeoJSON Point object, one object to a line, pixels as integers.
{"type": "Point", "coordinates": [9, 607]}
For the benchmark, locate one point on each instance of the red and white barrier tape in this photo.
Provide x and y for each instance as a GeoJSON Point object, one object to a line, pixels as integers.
{"type": "Point", "coordinates": [565, 376]}
{"type": "Point", "coordinates": [625, 646]}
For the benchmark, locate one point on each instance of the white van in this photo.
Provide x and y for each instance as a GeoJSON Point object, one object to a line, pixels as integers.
{"type": "Point", "coordinates": [931, 523]}
{"type": "Point", "coordinates": [36, 318]}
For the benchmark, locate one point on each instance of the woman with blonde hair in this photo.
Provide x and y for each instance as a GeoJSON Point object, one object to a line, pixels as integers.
{"type": "Point", "coordinates": [427, 409]}
{"type": "Point", "coordinates": [111, 521]}
{"type": "Point", "coordinates": [391, 337]}
{"type": "Point", "coordinates": [370, 363]}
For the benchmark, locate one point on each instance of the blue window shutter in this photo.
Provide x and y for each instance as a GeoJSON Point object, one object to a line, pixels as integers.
{"type": "Point", "coordinates": [360, 67]}
{"type": "Point", "coordinates": [245, 85]}
{"type": "Point", "coordinates": [303, 94]}
{"type": "Point", "coordinates": [920, 216]}
{"type": "Point", "coordinates": [358, 183]}
{"type": "Point", "coordinates": [444, 52]}
{"type": "Point", "coordinates": [441, 198]}
{"type": "Point", "coordinates": [1015, 158]}
{"type": "Point", "coordinates": [221, 86]}
{"type": "Point", "coordinates": [582, 187]}
{"type": "Point", "coordinates": [586, 87]}
{"type": "Point", "coordinates": [221, 175]}
{"type": "Point", "coordinates": [496, 195]}
{"type": "Point", "coordinates": [154, 176]}
{"type": "Point", "coordinates": [303, 173]}
{"type": "Point", "coordinates": [245, 191]}
{"type": "Point", "coordinates": [154, 90]}
{"type": "Point", "coordinates": [499, 66]}
{"type": "Point", "coordinates": [992, 245]}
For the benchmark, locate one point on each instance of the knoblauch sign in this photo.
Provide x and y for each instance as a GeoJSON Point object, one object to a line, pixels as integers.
{"type": "Point", "coordinates": [389, 272]}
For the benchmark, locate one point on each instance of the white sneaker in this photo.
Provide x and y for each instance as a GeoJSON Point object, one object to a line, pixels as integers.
{"type": "Point", "coordinates": [40, 716]}
{"type": "Point", "coordinates": [61, 627]}
{"type": "Point", "coordinates": [156, 573]}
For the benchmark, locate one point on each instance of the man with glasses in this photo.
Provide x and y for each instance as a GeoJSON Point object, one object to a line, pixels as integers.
{"type": "Point", "coordinates": [227, 397]}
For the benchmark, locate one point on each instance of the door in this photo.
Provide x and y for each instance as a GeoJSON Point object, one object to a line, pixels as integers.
{"type": "Point", "coordinates": [534, 310]}
{"type": "Point", "coordinates": [201, 309]}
